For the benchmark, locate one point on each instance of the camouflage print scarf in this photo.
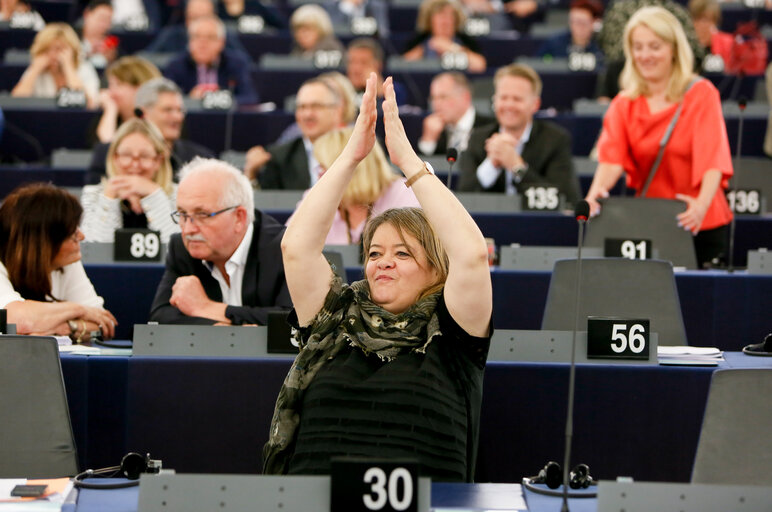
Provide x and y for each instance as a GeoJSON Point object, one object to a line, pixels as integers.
{"type": "Point", "coordinates": [348, 317]}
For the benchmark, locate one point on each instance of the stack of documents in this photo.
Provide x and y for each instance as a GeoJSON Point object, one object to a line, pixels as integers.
{"type": "Point", "coordinates": [55, 496]}
{"type": "Point", "coordinates": [689, 356]}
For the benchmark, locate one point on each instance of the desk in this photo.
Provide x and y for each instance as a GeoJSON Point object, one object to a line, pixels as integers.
{"type": "Point", "coordinates": [485, 496]}
{"type": "Point", "coordinates": [204, 415]}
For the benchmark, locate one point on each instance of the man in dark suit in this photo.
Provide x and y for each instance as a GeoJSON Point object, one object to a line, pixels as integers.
{"type": "Point", "coordinates": [226, 265]}
{"type": "Point", "coordinates": [160, 101]}
{"type": "Point", "coordinates": [207, 66]}
{"type": "Point", "coordinates": [518, 150]}
{"type": "Point", "coordinates": [292, 166]}
{"type": "Point", "coordinates": [453, 115]}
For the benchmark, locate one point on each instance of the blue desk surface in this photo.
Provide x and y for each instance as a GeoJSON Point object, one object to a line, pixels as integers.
{"type": "Point", "coordinates": [204, 415]}
{"type": "Point", "coordinates": [487, 496]}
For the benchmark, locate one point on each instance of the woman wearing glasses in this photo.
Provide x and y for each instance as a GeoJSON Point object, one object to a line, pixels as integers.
{"type": "Point", "coordinates": [138, 191]}
{"type": "Point", "coordinates": [43, 285]}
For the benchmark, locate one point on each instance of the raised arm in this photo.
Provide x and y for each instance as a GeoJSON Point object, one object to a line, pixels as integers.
{"type": "Point", "coordinates": [468, 291]}
{"type": "Point", "coordinates": [308, 273]}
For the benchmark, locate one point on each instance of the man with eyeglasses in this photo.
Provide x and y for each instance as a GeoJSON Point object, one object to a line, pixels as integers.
{"type": "Point", "coordinates": [160, 102]}
{"type": "Point", "coordinates": [292, 166]}
{"type": "Point", "coordinates": [225, 268]}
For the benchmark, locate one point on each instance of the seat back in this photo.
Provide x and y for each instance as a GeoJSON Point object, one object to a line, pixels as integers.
{"type": "Point", "coordinates": [735, 446]}
{"type": "Point", "coordinates": [36, 438]}
{"type": "Point", "coordinates": [616, 287]}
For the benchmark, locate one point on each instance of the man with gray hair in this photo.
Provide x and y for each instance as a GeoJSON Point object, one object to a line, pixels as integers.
{"type": "Point", "coordinates": [225, 268]}
{"type": "Point", "coordinates": [160, 102]}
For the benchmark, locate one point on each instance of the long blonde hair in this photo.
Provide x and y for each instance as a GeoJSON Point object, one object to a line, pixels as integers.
{"type": "Point", "coordinates": [669, 29]}
{"type": "Point", "coordinates": [56, 31]}
{"type": "Point", "coordinates": [163, 177]}
{"type": "Point", "coordinates": [371, 177]}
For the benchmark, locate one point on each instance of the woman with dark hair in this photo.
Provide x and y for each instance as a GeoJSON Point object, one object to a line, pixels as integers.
{"type": "Point", "coordinates": [43, 285]}
{"type": "Point", "coordinates": [390, 366]}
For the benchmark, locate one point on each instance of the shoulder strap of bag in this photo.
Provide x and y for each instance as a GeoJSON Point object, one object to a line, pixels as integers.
{"type": "Point", "coordinates": [663, 142]}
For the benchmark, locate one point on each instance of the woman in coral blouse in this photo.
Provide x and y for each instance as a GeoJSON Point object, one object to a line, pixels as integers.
{"type": "Point", "coordinates": [697, 164]}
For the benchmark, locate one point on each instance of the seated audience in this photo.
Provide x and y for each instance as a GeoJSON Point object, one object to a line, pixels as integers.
{"type": "Point", "coordinates": [492, 10]}
{"type": "Point", "coordinates": [174, 38]}
{"type": "Point", "coordinates": [373, 189]}
{"type": "Point", "coordinates": [453, 115]}
{"type": "Point", "coordinates": [518, 149]}
{"type": "Point", "coordinates": [345, 13]}
{"type": "Point", "coordinates": [43, 285]}
{"type": "Point", "coordinates": [400, 355]}
{"type": "Point", "coordinates": [138, 14]}
{"type": "Point", "coordinates": [232, 10]}
{"type": "Point", "coordinates": [137, 192]}
{"type": "Point", "coordinates": [439, 31]}
{"type": "Point", "coordinates": [208, 66]}
{"type": "Point", "coordinates": [364, 55]}
{"type": "Point", "coordinates": [583, 17]}
{"type": "Point", "coordinates": [160, 102]}
{"type": "Point", "coordinates": [225, 267]}
{"type": "Point", "coordinates": [124, 77]}
{"type": "Point", "coordinates": [524, 13]}
{"type": "Point", "coordinates": [56, 64]}
{"type": "Point", "coordinates": [696, 165]}
{"type": "Point", "coordinates": [706, 16]}
{"type": "Point", "coordinates": [312, 31]}
{"type": "Point", "coordinates": [19, 14]}
{"type": "Point", "coordinates": [319, 108]}
{"type": "Point", "coordinates": [99, 47]}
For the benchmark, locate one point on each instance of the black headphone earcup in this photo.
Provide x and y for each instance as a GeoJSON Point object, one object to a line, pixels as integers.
{"type": "Point", "coordinates": [551, 475]}
{"type": "Point", "coordinates": [580, 477]}
{"type": "Point", "coordinates": [132, 465]}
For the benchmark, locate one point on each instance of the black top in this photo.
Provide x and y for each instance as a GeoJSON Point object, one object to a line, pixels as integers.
{"type": "Point", "coordinates": [420, 406]}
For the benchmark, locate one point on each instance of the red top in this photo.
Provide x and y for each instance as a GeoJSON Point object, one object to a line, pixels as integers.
{"type": "Point", "coordinates": [631, 136]}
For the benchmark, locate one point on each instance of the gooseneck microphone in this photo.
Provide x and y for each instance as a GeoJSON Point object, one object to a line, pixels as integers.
{"type": "Point", "coordinates": [582, 213]}
{"type": "Point", "coordinates": [741, 103]}
{"type": "Point", "coordinates": [451, 156]}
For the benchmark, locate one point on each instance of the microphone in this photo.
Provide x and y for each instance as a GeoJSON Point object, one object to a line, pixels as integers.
{"type": "Point", "coordinates": [451, 156]}
{"type": "Point", "coordinates": [741, 104]}
{"type": "Point", "coordinates": [229, 117]}
{"type": "Point", "coordinates": [582, 213]}
{"type": "Point", "coordinates": [139, 113]}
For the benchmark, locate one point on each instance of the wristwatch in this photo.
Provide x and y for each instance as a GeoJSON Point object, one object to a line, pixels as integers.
{"type": "Point", "coordinates": [519, 171]}
{"type": "Point", "coordinates": [73, 327]}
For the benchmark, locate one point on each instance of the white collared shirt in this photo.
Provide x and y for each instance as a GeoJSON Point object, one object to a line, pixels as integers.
{"type": "Point", "coordinates": [487, 174]}
{"type": "Point", "coordinates": [314, 168]}
{"type": "Point", "coordinates": [458, 134]}
{"type": "Point", "coordinates": [235, 267]}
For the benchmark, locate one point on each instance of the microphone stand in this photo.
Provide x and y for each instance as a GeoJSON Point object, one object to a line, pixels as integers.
{"type": "Point", "coordinates": [730, 260]}
{"type": "Point", "coordinates": [582, 213]}
{"type": "Point", "coordinates": [451, 157]}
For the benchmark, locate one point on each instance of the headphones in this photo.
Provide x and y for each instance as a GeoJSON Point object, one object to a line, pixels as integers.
{"type": "Point", "coordinates": [132, 465]}
{"type": "Point", "coordinates": [551, 475]}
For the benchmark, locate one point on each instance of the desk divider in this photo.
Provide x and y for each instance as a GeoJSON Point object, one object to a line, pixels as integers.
{"type": "Point", "coordinates": [554, 347]}
{"type": "Point", "coordinates": [104, 252]}
{"type": "Point", "coordinates": [760, 262]}
{"type": "Point", "coordinates": [519, 257]}
{"type": "Point", "coordinates": [202, 341]}
{"type": "Point", "coordinates": [267, 493]}
{"type": "Point", "coordinates": [648, 496]}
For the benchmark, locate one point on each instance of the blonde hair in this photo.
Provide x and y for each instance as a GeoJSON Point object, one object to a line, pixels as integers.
{"type": "Point", "coordinates": [371, 177]}
{"type": "Point", "coordinates": [163, 177]}
{"type": "Point", "coordinates": [314, 16]}
{"type": "Point", "coordinates": [521, 71]}
{"type": "Point", "coordinates": [53, 32]}
{"type": "Point", "coordinates": [669, 29]}
{"type": "Point", "coordinates": [132, 70]}
{"type": "Point", "coordinates": [347, 94]}
{"type": "Point", "coordinates": [414, 222]}
{"type": "Point", "coordinates": [429, 7]}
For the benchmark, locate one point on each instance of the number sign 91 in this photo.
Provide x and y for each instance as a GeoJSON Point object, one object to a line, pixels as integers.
{"type": "Point", "coordinates": [627, 248]}
{"type": "Point", "coordinates": [137, 245]}
{"type": "Point", "coordinates": [617, 338]}
{"type": "Point", "coordinates": [365, 485]}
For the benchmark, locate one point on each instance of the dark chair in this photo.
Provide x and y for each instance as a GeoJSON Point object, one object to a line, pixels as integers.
{"type": "Point", "coordinates": [35, 433]}
{"type": "Point", "coordinates": [735, 446]}
{"type": "Point", "coordinates": [616, 287]}
{"type": "Point", "coordinates": [648, 219]}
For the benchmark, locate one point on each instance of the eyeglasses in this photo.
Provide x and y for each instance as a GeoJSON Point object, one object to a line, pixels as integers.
{"type": "Point", "coordinates": [199, 217]}
{"type": "Point", "coordinates": [145, 161]}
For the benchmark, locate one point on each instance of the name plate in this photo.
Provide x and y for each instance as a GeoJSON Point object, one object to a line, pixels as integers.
{"type": "Point", "coordinates": [365, 26]}
{"type": "Point", "coordinates": [251, 24]}
{"type": "Point", "coordinates": [22, 20]}
{"type": "Point", "coordinates": [632, 249]}
{"type": "Point", "coordinates": [454, 60]}
{"type": "Point", "coordinates": [137, 245]}
{"type": "Point", "coordinates": [69, 98]}
{"type": "Point", "coordinates": [139, 23]}
{"type": "Point", "coordinates": [366, 485]}
{"type": "Point", "coordinates": [617, 338]}
{"type": "Point", "coordinates": [217, 100]}
{"type": "Point", "coordinates": [579, 61]}
{"type": "Point", "coordinates": [541, 198]}
{"type": "Point", "coordinates": [477, 27]}
{"type": "Point", "coordinates": [326, 59]}
{"type": "Point", "coordinates": [746, 202]}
